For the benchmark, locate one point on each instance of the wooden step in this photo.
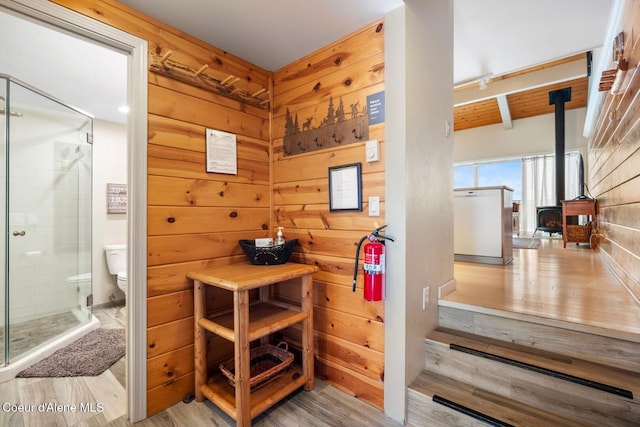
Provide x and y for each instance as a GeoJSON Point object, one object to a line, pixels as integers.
{"type": "Point", "coordinates": [589, 344]}
{"type": "Point", "coordinates": [584, 391]}
{"type": "Point", "coordinates": [436, 400]}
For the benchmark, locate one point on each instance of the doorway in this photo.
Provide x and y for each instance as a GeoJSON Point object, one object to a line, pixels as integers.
{"type": "Point", "coordinates": [60, 19]}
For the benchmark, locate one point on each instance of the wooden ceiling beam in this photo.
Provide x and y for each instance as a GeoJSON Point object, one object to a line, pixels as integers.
{"type": "Point", "coordinates": [562, 72]}
{"type": "Point", "coordinates": [503, 105]}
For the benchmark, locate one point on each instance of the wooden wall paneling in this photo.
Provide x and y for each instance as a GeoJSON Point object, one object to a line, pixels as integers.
{"type": "Point", "coordinates": [187, 89]}
{"type": "Point", "coordinates": [167, 161]}
{"type": "Point", "coordinates": [169, 307]}
{"type": "Point", "coordinates": [623, 215]}
{"type": "Point", "coordinates": [375, 132]}
{"type": "Point", "coordinates": [169, 336]}
{"type": "Point", "coordinates": [614, 160]}
{"type": "Point", "coordinates": [177, 134]}
{"type": "Point", "coordinates": [162, 279]}
{"type": "Point", "coordinates": [349, 381]}
{"type": "Point", "coordinates": [178, 117]}
{"type": "Point", "coordinates": [358, 76]}
{"type": "Point", "coordinates": [619, 120]}
{"type": "Point", "coordinates": [314, 216]}
{"type": "Point", "coordinates": [316, 164]}
{"type": "Point", "coordinates": [337, 297]}
{"type": "Point", "coordinates": [353, 328]}
{"type": "Point", "coordinates": [168, 220]}
{"type": "Point", "coordinates": [165, 395]}
{"type": "Point", "coordinates": [316, 191]}
{"type": "Point", "coordinates": [171, 191]}
{"type": "Point", "coordinates": [192, 247]}
{"type": "Point", "coordinates": [167, 367]}
{"type": "Point", "coordinates": [349, 331]}
{"type": "Point", "coordinates": [624, 154]}
{"type": "Point", "coordinates": [304, 107]}
{"type": "Point", "coordinates": [176, 105]}
{"type": "Point", "coordinates": [337, 243]}
{"type": "Point", "coordinates": [362, 360]}
{"type": "Point", "coordinates": [368, 41]}
{"type": "Point", "coordinates": [179, 114]}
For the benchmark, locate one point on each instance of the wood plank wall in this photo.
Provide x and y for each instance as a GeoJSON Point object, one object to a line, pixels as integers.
{"type": "Point", "coordinates": [349, 332]}
{"type": "Point", "coordinates": [614, 163]}
{"type": "Point", "coordinates": [195, 218]}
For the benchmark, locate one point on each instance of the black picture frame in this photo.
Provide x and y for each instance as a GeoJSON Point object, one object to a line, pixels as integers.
{"type": "Point", "coordinates": [345, 188]}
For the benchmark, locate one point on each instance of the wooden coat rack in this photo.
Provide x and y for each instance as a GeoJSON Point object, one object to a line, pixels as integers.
{"type": "Point", "coordinates": [197, 77]}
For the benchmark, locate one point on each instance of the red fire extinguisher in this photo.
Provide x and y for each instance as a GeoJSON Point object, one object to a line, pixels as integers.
{"type": "Point", "coordinates": [374, 265]}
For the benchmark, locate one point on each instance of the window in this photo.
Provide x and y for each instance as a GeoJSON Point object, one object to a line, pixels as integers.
{"type": "Point", "coordinates": [508, 173]}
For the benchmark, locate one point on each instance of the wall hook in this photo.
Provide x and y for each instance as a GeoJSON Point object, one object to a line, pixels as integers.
{"type": "Point", "coordinates": [165, 57]}
{"type": "Point", "coordinates": [336, 138]}
{"type": "Point", "coordinates": [285, 149]}
{"type": "Point", "coordinates": [301, 146]}
{"type": "Point", "coordinates": [318, 142]}
{"type": "Point", "coordinates": [200, 70]}
{"type": "Point", "coordinates": [355, 134]}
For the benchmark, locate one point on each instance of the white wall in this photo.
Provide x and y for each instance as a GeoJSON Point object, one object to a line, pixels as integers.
{"type": "Point", "coordinates": [533, 135]}
{"type": "Point", "coordinates": [109, 166]}
{"type": "Point", "coordinates": [419, 184]}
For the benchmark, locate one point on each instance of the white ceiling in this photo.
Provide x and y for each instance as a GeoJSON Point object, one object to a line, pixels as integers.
{"type": "Point", "coordinates": [491, 37]}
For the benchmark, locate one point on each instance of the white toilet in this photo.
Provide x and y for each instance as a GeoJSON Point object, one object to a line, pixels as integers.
{"type": "Point", "coordinates": [81, 284]}
{"type": "Point", "coordinates": [117, 263]}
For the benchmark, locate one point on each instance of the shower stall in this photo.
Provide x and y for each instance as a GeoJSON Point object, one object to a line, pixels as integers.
{"type": "Point", "coordinates": [45, 181]}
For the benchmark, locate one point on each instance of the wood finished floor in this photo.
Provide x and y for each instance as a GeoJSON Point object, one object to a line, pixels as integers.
{"type": "Point", "coordinates": [324, 406]}
{"type": "Point", "coordinates": [566, 285]}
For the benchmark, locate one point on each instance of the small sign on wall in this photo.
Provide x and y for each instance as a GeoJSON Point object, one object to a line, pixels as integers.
{"type": "Point", "coordinates": [116, 198]}
{"type": "Point", "coordinates": [221, 152]}
{"type": "Point", "coordinates": [375, 107]}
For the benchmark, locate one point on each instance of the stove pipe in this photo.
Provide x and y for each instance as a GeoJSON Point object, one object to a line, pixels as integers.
{"type": "Point", "coordinates": [559, 97]}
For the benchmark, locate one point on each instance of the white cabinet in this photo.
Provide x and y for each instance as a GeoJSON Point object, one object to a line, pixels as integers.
{"type": "Point", "coordinates": [483, 225]}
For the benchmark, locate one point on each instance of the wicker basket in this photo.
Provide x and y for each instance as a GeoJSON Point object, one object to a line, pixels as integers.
{"type": "Point", "coordinates": [270, 255]}
{"type": "Point", "coordinates": [267, 363]}
{"type": "Point", "coordinates": [579, 233]}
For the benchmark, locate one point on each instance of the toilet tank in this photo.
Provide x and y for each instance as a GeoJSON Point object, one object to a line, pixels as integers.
{"type": "Point", "coordinates": [116, 258]}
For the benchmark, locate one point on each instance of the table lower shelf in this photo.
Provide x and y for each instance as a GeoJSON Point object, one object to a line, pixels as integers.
{"type": "Point", "coordinates": [222, 394]}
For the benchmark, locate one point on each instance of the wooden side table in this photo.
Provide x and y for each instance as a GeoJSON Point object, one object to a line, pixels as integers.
{"type": "Point", "coordinates": [574, 208]}
{"type": "Point", "coordinates": [246, 324]}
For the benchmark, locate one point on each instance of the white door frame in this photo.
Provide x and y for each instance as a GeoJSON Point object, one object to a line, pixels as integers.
{"type": "Point", "coordinates": [135, 48]}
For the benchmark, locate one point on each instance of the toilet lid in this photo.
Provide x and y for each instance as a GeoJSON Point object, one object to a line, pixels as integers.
{"type": "Point", "coordinates": [122, 275]}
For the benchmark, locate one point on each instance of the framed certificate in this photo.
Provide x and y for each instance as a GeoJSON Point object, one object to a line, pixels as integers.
{"type": "Point", "coordinates": [345, 188]}
{"type": "Point", "coordinates": [221, 152]}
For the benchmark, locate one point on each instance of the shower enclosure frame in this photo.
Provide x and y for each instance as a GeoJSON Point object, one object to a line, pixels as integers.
{"type": "Point", "coordinates": [49, 139]}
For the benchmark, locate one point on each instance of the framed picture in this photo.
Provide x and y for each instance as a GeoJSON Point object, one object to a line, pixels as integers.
{"type": "Point", "coordinates": [345, 188]}
{"type": "Point", "coordinates": [117, 198]}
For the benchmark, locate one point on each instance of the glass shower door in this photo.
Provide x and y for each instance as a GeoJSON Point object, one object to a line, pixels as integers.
{"type": "Point", "coordinates": [48, 218]}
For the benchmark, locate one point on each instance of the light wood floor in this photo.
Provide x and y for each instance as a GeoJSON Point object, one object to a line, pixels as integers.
{"type": "Point", "coordinates": [324, 406]}
{"type": "Point", "coordinates": [560, 285]}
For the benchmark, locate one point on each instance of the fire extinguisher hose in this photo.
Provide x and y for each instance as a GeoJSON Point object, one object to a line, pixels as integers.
{"type": "Point", "coordinates": [355, 269]}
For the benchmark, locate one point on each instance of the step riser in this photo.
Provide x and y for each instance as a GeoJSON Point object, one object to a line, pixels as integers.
{"type": "Point", "coordinates": [564, 398]}
{"type": "Point", "coordinates": [596, 348]}
{"type": "Point", "coordinates": [423, 411]}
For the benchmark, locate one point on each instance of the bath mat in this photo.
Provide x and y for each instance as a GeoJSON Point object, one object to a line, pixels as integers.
{"type": "Point", "coordinates": [525, 243]}
{"type": "Point", "coordinates": [88, 356]}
